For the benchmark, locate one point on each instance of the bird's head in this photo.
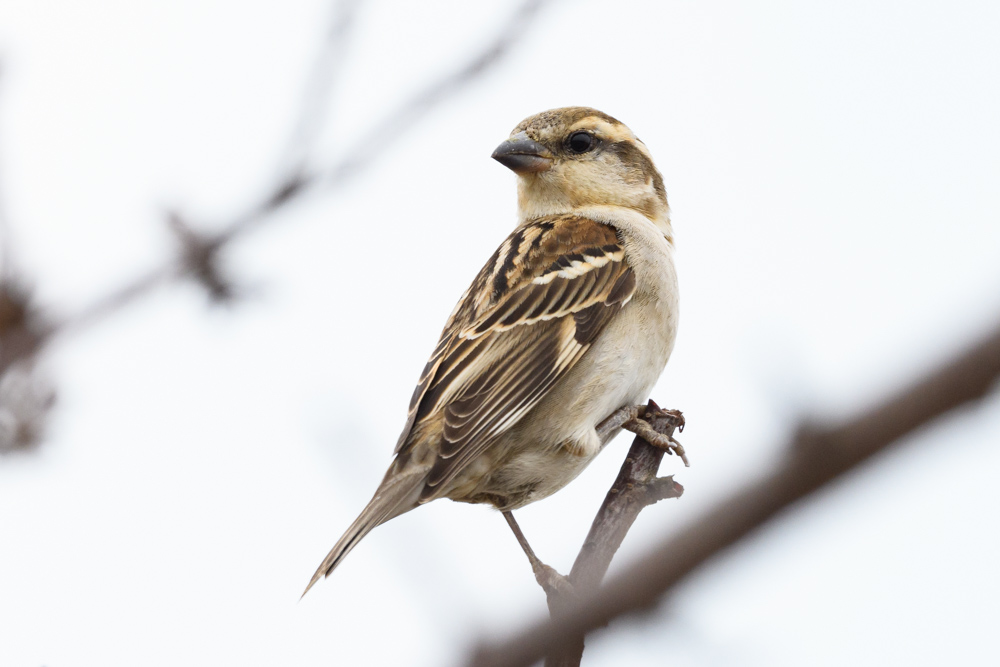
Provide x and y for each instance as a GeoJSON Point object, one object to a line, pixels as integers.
{"type": "Point", "coordinates": [574, 157]}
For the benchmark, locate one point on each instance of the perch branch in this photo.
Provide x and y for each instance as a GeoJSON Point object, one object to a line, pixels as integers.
{"type": "Point", "coordinates": [816, 456]}
{"type": "Point", "coordinates": [635, 488]}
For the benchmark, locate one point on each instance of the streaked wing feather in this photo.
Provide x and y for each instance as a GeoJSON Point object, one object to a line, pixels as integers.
{"type": "Point", "coordinates": [506, 406]}
{"type": "Point", "coordinates": [526, 320]}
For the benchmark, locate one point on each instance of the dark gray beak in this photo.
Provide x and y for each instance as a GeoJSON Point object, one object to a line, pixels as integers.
{"type": "Point", "coordinates": [522, 155]}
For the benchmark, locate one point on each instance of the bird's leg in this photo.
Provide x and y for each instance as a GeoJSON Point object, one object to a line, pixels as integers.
{"type": "Point", "coordinates": [554, 584]}
{"type": "Point", "coordinates": [648, 426]}
{"type": "Point", "coordinates": [619, 418]}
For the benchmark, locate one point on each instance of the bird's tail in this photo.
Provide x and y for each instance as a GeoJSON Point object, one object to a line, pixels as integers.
{"type": "Point", "coordinates": [397, 494]}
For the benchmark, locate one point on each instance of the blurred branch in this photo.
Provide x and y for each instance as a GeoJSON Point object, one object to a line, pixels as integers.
{"type": "Point", "coordinates": [816, 456]}
{"type": "Point", "coordinates": [198, 252]}
{"type": "Point", "coordinates": [293, 185]}
{"type": "Point", "coordinates": [25, 395]}
{"type": "Point", "coordinates": [322, 83]}
{"type": "Point", "coordinates": [23, 331]}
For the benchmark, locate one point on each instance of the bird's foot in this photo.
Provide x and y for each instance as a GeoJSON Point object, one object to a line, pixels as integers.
{"type": "Point", "coordinates": [555, 585]}
{"type": "Point", "coordinates": [661, 419]}
{"type": "Point", "coordinates": [656, 426]}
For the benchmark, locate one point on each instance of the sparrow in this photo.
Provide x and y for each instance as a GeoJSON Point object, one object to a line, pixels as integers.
{"type": "Point", "coordinates": [570, 322]}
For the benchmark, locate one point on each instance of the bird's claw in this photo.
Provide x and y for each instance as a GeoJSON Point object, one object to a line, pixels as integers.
{"type": "Point", "coordinates": [661, 419]}
{"type": "Point", "coordinates": [651, 422]}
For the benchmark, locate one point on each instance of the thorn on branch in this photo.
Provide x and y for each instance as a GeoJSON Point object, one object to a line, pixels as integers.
{"type": "Point", "coordinates": [200, 260]}
{"type": "Point", "coordinates": [662, 488]}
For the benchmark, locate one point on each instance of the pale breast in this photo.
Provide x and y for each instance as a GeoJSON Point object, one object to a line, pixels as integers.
{"type": "Point", "coordinates": [627, 360]}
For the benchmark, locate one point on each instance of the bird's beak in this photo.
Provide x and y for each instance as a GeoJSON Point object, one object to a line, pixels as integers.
{"type": "Point", "coordinates": [522, 155]}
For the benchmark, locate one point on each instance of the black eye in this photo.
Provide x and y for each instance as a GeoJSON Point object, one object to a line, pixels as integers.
{"type": "Point", "coordinates": [581, 142]}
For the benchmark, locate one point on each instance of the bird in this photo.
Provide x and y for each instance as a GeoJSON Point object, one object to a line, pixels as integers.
{"type": "Point", "coordinates": [569, 322]}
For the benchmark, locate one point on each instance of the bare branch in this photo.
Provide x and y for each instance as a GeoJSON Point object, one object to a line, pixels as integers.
{"type": "Point", "coordinates": [635, 488]}
{"type": "Point", "coordinates": [295, 184]}
{"type": "Point", "coordinates": [815, 457]}
{"type": "Point", "coordinates": [118, 299]}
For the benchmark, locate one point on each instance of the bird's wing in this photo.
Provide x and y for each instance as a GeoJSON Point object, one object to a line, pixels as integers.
{"type": "Point", "coordinates": [529, 316]}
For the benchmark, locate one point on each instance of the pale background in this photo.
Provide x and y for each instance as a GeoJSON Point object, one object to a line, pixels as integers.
{"type": "Point", "coordinates": [833, 171]}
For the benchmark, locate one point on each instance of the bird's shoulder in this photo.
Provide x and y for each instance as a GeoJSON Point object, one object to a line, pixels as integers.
{"type": "Point", "coordinates": [536, 253]}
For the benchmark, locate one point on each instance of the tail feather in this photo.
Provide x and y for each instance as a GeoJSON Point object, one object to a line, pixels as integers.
{"type": "Point", "coordinates": [396, 495]}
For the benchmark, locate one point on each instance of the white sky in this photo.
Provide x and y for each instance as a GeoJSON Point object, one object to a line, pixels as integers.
{"type": "Point", "coordinates": [832, 169]}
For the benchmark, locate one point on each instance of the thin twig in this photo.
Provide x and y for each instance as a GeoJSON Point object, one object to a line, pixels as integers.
{"type": "Point", "coordinates": [320, 87]}
{"type": "Point", "coordinates": [387, 132]}
{"type": "Point", "coordinates": [118, 299]}
{"type": "Point", "coordinates": [815, 457]}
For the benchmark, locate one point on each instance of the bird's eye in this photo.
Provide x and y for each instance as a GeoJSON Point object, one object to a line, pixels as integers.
{"type": "Point", "coordinates": [581, 142]}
